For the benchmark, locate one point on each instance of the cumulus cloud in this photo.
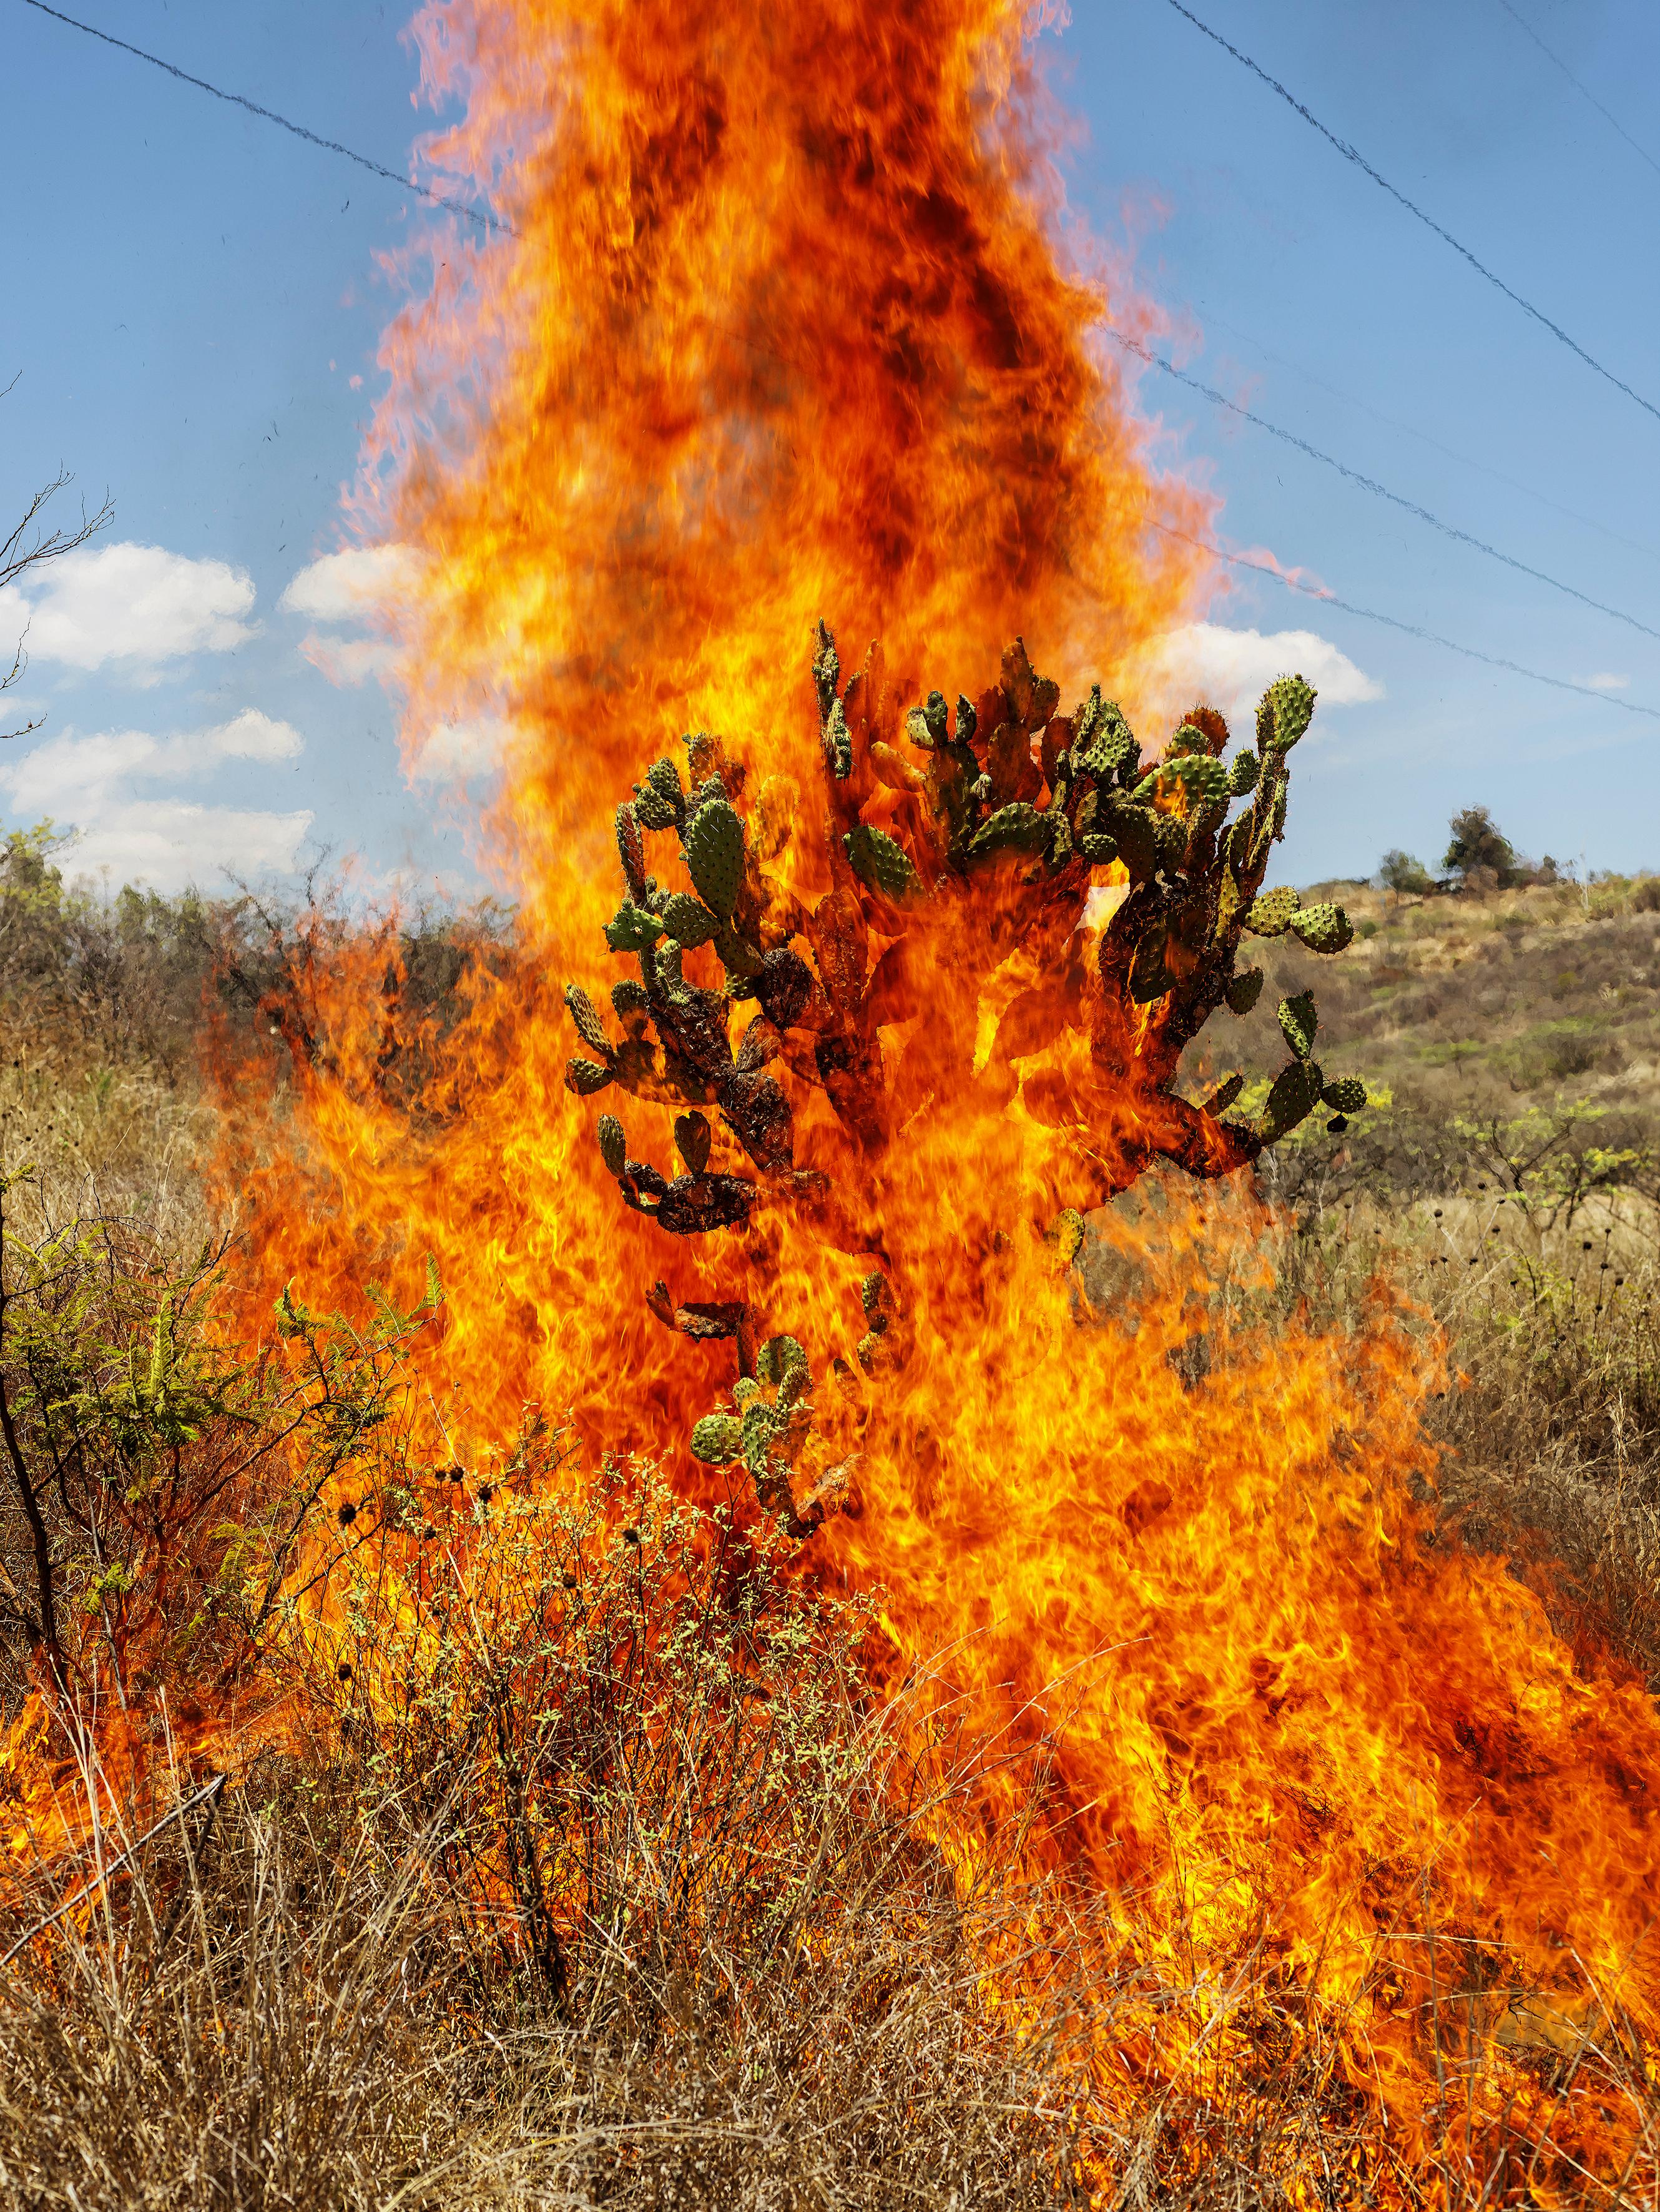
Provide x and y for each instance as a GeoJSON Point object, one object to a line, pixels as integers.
{"type": "Point", "coordinates": [1231, 668]}
{"type": "Point", "coordinates": [352, 586]}
{"type": "Point", "coordinates": [170, 844]}
{"type": "Point", "coordinates": [455, 751]}
{"type": "Point", "coordinates": [359, 589]}
{"type": "Point", "coordinates": [94, 784]}
{"type": "Point", "coordinates": [132, 608]}
{"type": "Point", "coordinates": [65, 774]}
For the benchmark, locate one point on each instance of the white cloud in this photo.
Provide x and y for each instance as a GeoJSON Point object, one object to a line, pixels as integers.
{"type": "Point", "coordinates": [455, 751]}
{"type": "Point", "coordinates": [360, 588]}
{"type": "Point", "coordinates": [1604, 682]}
{"type": "Point", "coordinates": [91, 785]}
{"type": "Point", "coordinates": [1231, 668]}
{"type": "Point", "coordinates": [68, 777]}
{"type": "Point", "coordinates": [253, 736]}
{"type": "Point", "coordinates": [350, 659]}
{"type": "Point", "coordinates": [352, 586]}
{"type": "Point", "coordinates": [170, 844]}
{"type": "Point", "coordinates": [135, 607]}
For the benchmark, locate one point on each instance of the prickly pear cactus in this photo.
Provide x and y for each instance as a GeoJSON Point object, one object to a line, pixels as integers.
{"type": "Point", "coordinates": [948, 838]}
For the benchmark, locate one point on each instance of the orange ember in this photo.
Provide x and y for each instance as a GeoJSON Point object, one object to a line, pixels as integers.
{"type": "Point", "coordinates": [780, 331]}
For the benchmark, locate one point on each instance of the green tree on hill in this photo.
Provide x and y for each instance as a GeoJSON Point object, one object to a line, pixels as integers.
{"type": "Point", "coordinates": [1478, 843]}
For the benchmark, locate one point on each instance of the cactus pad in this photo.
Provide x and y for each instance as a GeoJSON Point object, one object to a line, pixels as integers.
{"type": "Point", "coordinates": [1270, 915]}
{"type": "Point", "coordinates": [714, 855]}
{"type": "Point", "coordinates": [1346, 1095]}
{"type": "Point", "coordinates": [584, 1077]}
{"type": "Point", "coordinates": [1017, 827]}
{"type": "Point", "coordinates": [1287, 710]}
{"type": "Point", "coordinates": [631, 851]}
{"type": "Point", "coordinates": [1244, 990]}
{"type": "Point", "coordinates": [613, 1144]}
{"type": "Point", "coordinates": [1291, 1100]}
{"type": "Point", "coordinates": [654, 812]}
{"type": "Point", "coordinates": [1298, 1020]}
{"type": "Point", "coordinates": [687, 922]}
{"type": "Point", "coordinates": [691, 1139]}
{"type": "Point", "coordinates": [1242, 776]}
{"type": "Point", "coordinates": [877, 859]}
{"type": "Point", "coordinates": [718, 1439]}
{"type": "Point", "coordinates": [1322, 928]}
{"type": "Point", "coordinates": [632, 929]}
{"type": "Point", "coordinates": [589, 1027]}
{"type": "Point", "coordinates": [776, 1357]}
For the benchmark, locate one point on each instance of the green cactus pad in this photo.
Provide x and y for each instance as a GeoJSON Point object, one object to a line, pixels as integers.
{"type": "Point", "coordinates": [871, 1288]}
{"type": "Point", "coordinates": [776, 1357]}
{"type": "Point", "coordinates": [1270, 915]}
{"type": "Point", "coordinates": [1100, 852]}
{"type": "Point", "coordinates": [1298, 1020]}
{"type": "Point", "coordinates": [664, 778]}
{"type": "Point", "coordinates": [1346, 1094]}
{"type": "Point", "coordinates": [1287, 710]}
{"type": "Point", "coordinates": [1244, 990]}
{"type": "Point", "coordinates": [1224, 1094]}
{"type": "Point", "coordinates": [613, 1144]}
{"type": "Point", "coordinates": [1112, 748]}
{"type": "Point", "coordinates": [628, 998]}
{"type": "Point", "coordinates": [718, 1439]}
{"type": "Point", "coordinates": [1324, 927]}
{"type": "Point", "coordinates": [1242, 776]}
{"type": "Point", "coordinates": [714, 855]}
{"type": "Point", "coordinates": [655, 812]}
{"type": "Point", "coordinates": [687, 922]}
{"type": "Point", "coordinates": [589, 1027]}
{"type": "Point", "coordinates": [631, 929]}
{"type": "Point", "coordinates": [1292, 1098]}
{"type": "Point", "coordinates": [1018, 827]}
{"type": "Point", "coordinates": [1204, 780]}
{"type": "Point", "coordinates": [584, 1077]}
{"type": "Point", "coordinates": [691, 1139]}
{"type": "Point", "coordinates": [878, 860]}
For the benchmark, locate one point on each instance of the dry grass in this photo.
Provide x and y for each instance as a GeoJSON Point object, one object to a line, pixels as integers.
{"type": "Point", "coordinates": [603, 1880]}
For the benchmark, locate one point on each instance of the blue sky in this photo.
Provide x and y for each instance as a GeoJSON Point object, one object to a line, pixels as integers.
{"type": "Point", "coordinates": [193, 304]}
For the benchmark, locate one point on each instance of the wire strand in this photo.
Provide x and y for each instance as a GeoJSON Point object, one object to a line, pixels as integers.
{"type": "Point", "coordinates": [480, 216]}
{"type": "Point", "coordinates": [1393, 622]}
{"type": "Point", "coordinates": [1584, 91]}
{"type": "Point", "coordinates": [1370, 483]}
{"type": "Point", "coordinates": [1352, 153]}
{"type": "Point", "coordinates": [1214, 321]}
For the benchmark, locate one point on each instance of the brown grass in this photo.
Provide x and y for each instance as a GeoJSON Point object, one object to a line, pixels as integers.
{"type": "Point", "coordinates": [632, 1894]}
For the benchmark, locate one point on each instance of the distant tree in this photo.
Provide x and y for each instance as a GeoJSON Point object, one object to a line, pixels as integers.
{"type": "Point", "coordinates": [1479, 845]}
{"type": "Point", "coordinates": [29, 545]}
{"type": "Point", "coordinates": [1400, 871]}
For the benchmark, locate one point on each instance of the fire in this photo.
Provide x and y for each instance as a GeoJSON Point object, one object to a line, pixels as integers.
{"type": "Point", "coordinates": [781, 329]}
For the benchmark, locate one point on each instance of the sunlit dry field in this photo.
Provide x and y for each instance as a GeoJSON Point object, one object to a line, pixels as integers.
{"type": "Point", "coordinates": [591, 1846]}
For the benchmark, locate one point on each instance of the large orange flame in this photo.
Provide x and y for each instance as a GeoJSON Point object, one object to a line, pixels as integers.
{"type": "Point", "coordinates": [781, 329]}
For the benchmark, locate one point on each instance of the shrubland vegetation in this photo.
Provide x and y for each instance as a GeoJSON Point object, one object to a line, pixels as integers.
{"type": "Point", "coordinates": [343, 1984]}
